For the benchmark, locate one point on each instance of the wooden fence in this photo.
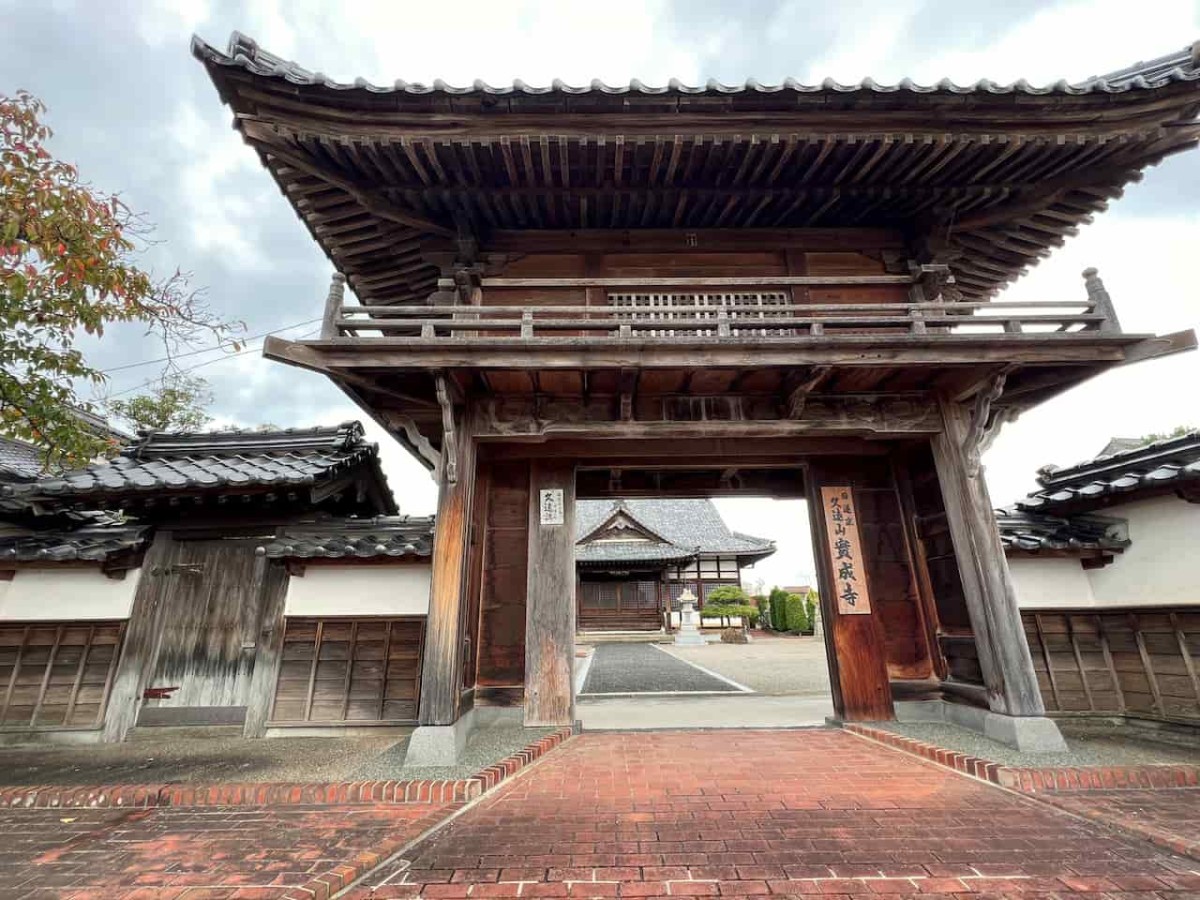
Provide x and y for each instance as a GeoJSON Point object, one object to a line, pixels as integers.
{"type": "Point", "coordinates": [1137, 660]}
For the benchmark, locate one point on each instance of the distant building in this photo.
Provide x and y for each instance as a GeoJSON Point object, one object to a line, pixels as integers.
{"type": "Point", "coordinates": [633, 558]}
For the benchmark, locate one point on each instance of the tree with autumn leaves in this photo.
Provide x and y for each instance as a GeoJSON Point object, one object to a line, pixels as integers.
{"type": "Point", "coordinates": [71, 264]}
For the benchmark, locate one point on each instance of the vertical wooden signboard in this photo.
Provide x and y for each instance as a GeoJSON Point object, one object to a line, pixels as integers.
{"type": "Point", "coordinates": [845, 551]}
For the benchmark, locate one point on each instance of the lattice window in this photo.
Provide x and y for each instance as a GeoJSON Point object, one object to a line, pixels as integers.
{"type": "Point", "coordinates": [750, 305]}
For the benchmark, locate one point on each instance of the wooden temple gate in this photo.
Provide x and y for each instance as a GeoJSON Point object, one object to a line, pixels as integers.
{"type": "Point", "coordinates": [696, 292]}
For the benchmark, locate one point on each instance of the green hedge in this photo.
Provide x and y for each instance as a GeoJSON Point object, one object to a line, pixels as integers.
{"type": "Point", "coordinates": [778, 608]}
{"type": "Point", "coordinates": [796, 613]}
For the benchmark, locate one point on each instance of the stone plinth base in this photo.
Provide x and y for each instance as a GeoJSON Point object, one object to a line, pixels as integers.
{"type": "Point", "coordinates": [1029, 734]}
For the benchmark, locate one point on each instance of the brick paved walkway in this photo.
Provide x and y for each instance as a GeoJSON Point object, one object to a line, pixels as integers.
{"type": "Point", "coordinates": [768, 812]}
{"type": "Point", "coordinates": [1170, 818]}
{"type": "Point", "coordinates": [199, 852]}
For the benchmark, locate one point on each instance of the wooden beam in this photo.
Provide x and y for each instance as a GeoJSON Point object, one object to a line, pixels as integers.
{"type": "Point", "coordinates": [442, 659]}
{"type": "Point", "coordinates": [550, 596]}
{"type": "Point", "coordinates": [1000, 641]}
{"type": "Point", "coordinates": [365, 197]}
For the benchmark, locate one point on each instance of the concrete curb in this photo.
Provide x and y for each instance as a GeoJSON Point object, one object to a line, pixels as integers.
{"type": "Point", "coordinates": [136, 796]}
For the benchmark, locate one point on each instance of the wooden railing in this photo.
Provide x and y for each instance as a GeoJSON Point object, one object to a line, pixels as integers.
{"type": "Point", "coordinates": [733, 322]}
{"type": "Point", "coordinates": [741, 308]}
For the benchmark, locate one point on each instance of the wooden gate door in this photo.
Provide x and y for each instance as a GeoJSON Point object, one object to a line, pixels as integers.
{"type": "Point", "coordinates": [210, 614]}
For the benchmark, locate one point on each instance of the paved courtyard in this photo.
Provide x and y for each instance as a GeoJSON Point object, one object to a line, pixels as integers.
{"type": "Point", "coordinates": [769, 812]}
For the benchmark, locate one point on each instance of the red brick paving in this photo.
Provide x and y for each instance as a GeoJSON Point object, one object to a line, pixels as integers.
{"type": "Point", "coordinates": [1169, 818]}
{"type": "Point", "coordinates": [769, 812]}
{"type": "Point", "coordinates": [200, 852]}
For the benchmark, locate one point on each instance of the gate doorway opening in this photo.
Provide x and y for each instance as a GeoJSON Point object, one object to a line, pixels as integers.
{"type": "Point", "coordinates": [653, 545]}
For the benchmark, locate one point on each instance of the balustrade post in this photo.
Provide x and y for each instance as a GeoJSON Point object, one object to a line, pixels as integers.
{"type": "Point", "coordinates": [1101, 302]}
{"type": "Point", "coordinates": [333, 306]}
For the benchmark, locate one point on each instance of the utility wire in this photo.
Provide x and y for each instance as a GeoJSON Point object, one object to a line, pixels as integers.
{"type": "Point", "coordinates": [249, 337]}
{"type": "Point", "coordinates": [212, 362]}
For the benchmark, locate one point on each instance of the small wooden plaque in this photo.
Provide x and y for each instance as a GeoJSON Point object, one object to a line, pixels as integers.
{"type": "Point", "coordinates": [845, 551]}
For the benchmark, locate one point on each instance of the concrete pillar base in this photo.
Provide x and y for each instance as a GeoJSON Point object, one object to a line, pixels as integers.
{"type": "Point", "coordinates": [440, 746]}
{"type": "Point", "coordinates": [1029, 734]}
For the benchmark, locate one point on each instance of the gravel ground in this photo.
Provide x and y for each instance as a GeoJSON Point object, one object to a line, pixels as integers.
{"type": "Point", "coordinates": [205, 759]}
{"type": "Point", "coordinates": [208, 759]}
{"type": "Point", "coordinates": [770, 664]}
{"type": "Point", "coordinates": [1116, 746]}
{"type": "Point", "coordinates": [643, 668]}
{"type": "Point", "coordinates": [486, 746]}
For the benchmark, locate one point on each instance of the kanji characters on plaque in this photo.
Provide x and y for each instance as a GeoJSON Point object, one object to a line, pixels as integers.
{"type": "Point", "coordinates": [845, 552]}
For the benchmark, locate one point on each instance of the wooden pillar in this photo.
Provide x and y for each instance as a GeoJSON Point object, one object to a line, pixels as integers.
{"type": "Point", "coordinates": [271, 581]}
{"type": "Point", "coordinates": [854, 644]}
{"type": "Point", "coordinates": [142, 635]}
{"type": "Point", "coordinates": [449, 579]}
{"type": "Point", "coordinates": [1008, 672]}
{"type": "Point", "coordinates": [549, 605]}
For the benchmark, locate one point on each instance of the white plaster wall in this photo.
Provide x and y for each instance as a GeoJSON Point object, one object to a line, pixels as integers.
{"type": "Point", "coordinates": [1162, 567]}
{"type": "Point", "coordinates": [54, 594]}
{"type": "Point", "coordinates": [351, 590]}
{"type": "Point", "coordinates": [1044, 583]}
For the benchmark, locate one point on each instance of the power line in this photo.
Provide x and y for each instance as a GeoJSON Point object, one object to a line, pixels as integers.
{"type": "Point", "coordinates": [249, 337]}
{"type": "Point", "coordinates": [212, 362]}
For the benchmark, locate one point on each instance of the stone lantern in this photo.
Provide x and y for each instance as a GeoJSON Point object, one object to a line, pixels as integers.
{"type": "Point", "coordinates": [688, 634]}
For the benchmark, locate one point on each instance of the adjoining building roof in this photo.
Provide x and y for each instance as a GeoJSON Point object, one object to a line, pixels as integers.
{"type": "Point", "coordinates": [97, 543]}
{"type": "Point", "coordinates": [19, 460]}
{"type": "Point", "coordinates": [382, 536]}
{"type": "Point", "coordinates": [679, 530]}
{"type": "Point", "coordinates": [326, 466]}
{"type": "Point", "coordinates": [1025, 533]}
{"type": "Point", "coordinates": [1118, 477]}
{"type": "Point", "coordinates": [1013, 169]}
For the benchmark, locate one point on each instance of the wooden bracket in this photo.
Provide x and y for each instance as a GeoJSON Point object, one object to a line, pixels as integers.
{"type": "Point", "coordinates": [984, 426]}
{"type": "Point", "coordinates": [798, 388]}
{"type": "Point", "coordinates": [449, 457]}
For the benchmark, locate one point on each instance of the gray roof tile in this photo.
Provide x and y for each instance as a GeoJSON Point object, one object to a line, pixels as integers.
{"type": "Point", "coordinates": [244, 53]}
{"type": "Point", "coordinates": [390, 536]}
{"type": "Point", "coordinates": [166, 462]}
{"type": "Point", "coordinates": [93, 543]}
{"type": "Point", "coordinates": [1127, 472]}
{"type": "Point", "coordinates": [687, 527]}
{"type": "Point", "coordinates": [1035, 532]}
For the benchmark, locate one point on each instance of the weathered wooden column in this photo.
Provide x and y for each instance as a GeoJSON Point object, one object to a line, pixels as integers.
{"type": "Point", "coordinates": [550, 602]}
{"type": "Point", "coordinates": [1008, 672]}
{"type": "Point", "coordinates": [449, 576]}
{"type": "Point", "coordinates": [271, 582]}
{"type": "Point", "coordinates": [142, 635]}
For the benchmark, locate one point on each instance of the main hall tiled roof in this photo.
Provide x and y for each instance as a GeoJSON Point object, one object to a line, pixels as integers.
{"type": "Point", "coordinates": [685, 528]}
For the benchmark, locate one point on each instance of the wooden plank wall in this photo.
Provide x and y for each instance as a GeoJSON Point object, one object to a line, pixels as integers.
{"type": "Point", "coordinates": [500, 666]}
{"type": "Point", "coordinates": [1139, 660]}
{"type": "Point", "coordinates": [212, 606]}
{"type": "Point", "coordinates": [683, 263]}
{"type": "Point", "coordinates": [57, 675]}
{"type": "Point", "coordinates": [343, 671]}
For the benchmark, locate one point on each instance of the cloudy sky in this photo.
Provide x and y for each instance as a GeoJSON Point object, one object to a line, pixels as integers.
{"type": "Point", "coordinates": [138, 115]}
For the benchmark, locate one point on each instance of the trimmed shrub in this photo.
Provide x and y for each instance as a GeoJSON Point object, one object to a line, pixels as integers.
{"type": "Point", "coordinates": [778, 607]}
{"type": "Point", "coordinates": [744, 611]}
{"type": "Point", "coordinates": [810, 608]}
{"type": "Point", "coordinates": [797, 617]}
